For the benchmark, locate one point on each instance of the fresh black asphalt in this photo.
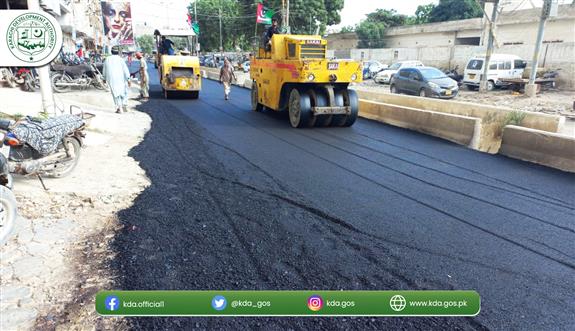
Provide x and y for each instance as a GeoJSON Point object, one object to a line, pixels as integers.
{"type": "Point", "coordinates": [240, 200]}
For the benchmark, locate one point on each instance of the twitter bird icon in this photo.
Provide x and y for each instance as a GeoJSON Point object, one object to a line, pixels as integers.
{"type": "Point", "coordinates": [219, 302]}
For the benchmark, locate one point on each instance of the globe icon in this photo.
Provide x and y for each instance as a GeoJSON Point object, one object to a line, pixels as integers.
{"type": "Point", "coordinates": [397, 302]}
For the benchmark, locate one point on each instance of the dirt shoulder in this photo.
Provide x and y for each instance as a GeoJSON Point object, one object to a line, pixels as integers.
{"type": "Point", "coordinates": [48, 267]}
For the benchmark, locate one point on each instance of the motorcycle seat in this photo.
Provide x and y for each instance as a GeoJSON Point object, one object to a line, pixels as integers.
{"type": "Point", "coordinates": [44, 136]}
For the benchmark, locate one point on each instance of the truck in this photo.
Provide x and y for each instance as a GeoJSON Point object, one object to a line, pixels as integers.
{"type": "Point", "coordinates": [294, 74]}
{"type": "Point", "coordinates": [178, 67]}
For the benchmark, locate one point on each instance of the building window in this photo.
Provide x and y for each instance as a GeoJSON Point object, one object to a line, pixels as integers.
{"type": "Point", "coordinates": [468, 41]}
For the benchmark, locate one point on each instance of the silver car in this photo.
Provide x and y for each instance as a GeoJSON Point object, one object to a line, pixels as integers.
{"type": "Point", "coordinates": [385, 76]}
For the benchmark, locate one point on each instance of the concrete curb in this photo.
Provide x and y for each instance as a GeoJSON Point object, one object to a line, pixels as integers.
{"type": "Point", "coordinates": [545, 148]}
{"type": "Point", "coordinates": [463, 130]}
{"type": "Point", "coordinates": [493, 118]}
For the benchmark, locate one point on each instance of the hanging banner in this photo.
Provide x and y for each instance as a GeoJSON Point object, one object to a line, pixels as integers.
{"type": "Point", "coordinates": [117, 18]}
{"type": "Point", "coordinates": [28, 38]}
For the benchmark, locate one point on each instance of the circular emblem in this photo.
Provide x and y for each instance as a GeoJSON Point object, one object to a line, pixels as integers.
{"type": "Point", "coordinates": [31, 37]}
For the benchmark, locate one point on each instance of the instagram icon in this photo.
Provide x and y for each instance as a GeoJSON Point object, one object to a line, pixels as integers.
{"type": "Point", "coordinates": [314, 303]}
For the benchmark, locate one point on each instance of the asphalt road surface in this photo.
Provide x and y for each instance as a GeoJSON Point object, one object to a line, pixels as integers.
{"type": "Point", "coordinates": [240, 200]}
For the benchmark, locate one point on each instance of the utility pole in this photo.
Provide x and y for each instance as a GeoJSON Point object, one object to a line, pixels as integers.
{"type": "Point", "coordinates": [483, 82]}
{"type": "Point", "coordinates": [221, 44]}
{"type": "Point", "coordinates": [288, 30]}
{"type": "Point", "coordinates": [48, 104]}
{"type": "Point", "coordinates": [531, 87]}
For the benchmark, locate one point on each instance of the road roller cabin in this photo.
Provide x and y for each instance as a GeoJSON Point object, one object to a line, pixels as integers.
{"type": "Point", "coordinates": [179, 67]}
{"type": "Point", "coordinates": [295, 75]}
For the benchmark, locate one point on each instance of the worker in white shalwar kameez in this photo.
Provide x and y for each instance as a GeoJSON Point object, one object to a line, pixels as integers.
{"type": "Point", "coordinates": [117, 76]}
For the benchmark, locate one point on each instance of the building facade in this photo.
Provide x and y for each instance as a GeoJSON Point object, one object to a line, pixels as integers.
{"type": "Point", "coordinates": [81, 20]}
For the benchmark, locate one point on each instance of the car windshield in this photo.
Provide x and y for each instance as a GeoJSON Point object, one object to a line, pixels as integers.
{"type": "Point", "coordinates": [395, 66]}
{"type": "Point", "coordinates": [475, 64]}
{"type": "Point", "coordinates": [432, 73]}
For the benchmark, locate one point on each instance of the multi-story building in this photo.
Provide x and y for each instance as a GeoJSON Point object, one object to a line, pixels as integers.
{"type": "Point", "coordinates": [81, 20]}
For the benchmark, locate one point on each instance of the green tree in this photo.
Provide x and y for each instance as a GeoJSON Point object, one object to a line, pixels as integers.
{"type": "Point", "coordinates": [239, 20]}
{"type": "Point", "coordinates": [371, 31]}
{"type": "Point", "coordinates": [146, 43]}
{"type": "Point", "coordinates": [423, 13]}
{"type": "Point", "coordinates": [346, 29]}
{"type": "Point", "coordinates": [208, 19]}
{"type": "Point", "coordinates": [450, 10]}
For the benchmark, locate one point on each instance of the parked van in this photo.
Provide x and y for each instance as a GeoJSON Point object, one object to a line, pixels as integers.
{"type": "Point", "coordinates": [501, 66]}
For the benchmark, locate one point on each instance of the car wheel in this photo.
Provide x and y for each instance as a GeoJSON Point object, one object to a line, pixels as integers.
{"type": "Point", "coordinates": [490, 85]}
{"type": "Point", "coordinates": [422, 93]}
{"type": "Point", "coordinates": [393, 89]}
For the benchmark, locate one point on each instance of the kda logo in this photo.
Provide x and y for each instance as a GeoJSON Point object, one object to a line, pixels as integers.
{"type": "Point", "coordinates": [112, 303]}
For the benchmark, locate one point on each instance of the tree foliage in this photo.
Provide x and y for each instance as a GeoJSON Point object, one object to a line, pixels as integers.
{"type": "Point", "coordinates": [239, 20]}
{"type": "Point", "coordinates": [146, 43]}
{"type": "Point", "coordinates": [450, 10]}
{"type": "Point", "coordinates": [423, 13]}
{"type": "Point", "coordinates": [371, 31]}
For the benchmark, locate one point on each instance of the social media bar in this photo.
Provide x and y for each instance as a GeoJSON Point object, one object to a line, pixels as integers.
{"type": "Point", "coordinates": [288, 303]}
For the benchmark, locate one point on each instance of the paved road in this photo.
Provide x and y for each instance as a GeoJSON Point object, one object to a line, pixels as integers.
{"type": "Point", "coordinates": [240, 200]}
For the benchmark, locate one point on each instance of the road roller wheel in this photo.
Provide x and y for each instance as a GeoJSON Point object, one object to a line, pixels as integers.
{"type": "Point", "coordinates": [299, 109]}
{"type": "Point", "coordinates": [319, 99]}
{"type": "Point", "coordinates": [346, 98]}
{"type": "Point", "coordinates": [338, 120]}
{"type": "Point", "coordinates": [353, 102]}
{"type": "Point", "coordinates": [256, 105]}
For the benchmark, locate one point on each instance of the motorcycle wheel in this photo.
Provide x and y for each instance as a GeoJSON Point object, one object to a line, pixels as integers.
{"type": "Point", "coordinates": [99, 83]}
{"type": "Point", "coordinates": [29, 83]}
{"type": "Point", "coordinates": [8, 213]}
{"type": "Point", "coordinates": [9, 78]}
{"type": "Point", "coordinates": [61, 169]}
{"type": "Point", "coordinates": [59, 78]}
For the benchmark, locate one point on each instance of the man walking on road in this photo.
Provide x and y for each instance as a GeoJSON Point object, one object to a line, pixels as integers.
{"type": "Point", "coordinates": [117, 75]}
{"type": "Point", "coordinates": [144, 79]}
{"type": "Point", "coordinates": [226, 77]}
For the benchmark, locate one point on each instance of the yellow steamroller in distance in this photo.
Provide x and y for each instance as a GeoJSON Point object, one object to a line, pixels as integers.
{"type": "Point", "coordinates": [295, 75]}
{"type": "Point", "coordinates": [177, 62]}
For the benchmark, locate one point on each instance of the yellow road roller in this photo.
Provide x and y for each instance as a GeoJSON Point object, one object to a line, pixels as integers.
{"type": "Point", "coordinates": [294, 74]}
{"type": "Point", "coordinates": [177, 62]}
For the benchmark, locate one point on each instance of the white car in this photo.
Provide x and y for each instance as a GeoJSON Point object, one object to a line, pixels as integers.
{"type": "Point", "coordinates": [501, 66]}
{"type": "Point", "coordinates": [384, 76]}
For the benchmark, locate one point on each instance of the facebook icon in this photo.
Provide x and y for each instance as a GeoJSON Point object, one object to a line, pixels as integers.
{"type": "Point", "coordinates": [112, 302]}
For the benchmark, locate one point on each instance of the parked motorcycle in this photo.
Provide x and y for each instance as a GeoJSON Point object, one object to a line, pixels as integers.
{"type": "Point", "coordinates": [28, 78]}
{"type": "Point", "coordinates": [48, 147]}
{"type": "Point", "coordinates": [8, 207]}
{"type": "Point", "coordinates": [454, 74]}
{"type": "Point", "coordinates": [82, 76]}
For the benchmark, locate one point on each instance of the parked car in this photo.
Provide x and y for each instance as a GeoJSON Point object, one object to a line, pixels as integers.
{"type": "Point", "coordinates": [501, 66]}
{"type": "Point", "coordinates": [371, 68]}
{"type": "Point", "coordinates": [425, 82]}
{"type": "Point", "coordinates": [385, 76]}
